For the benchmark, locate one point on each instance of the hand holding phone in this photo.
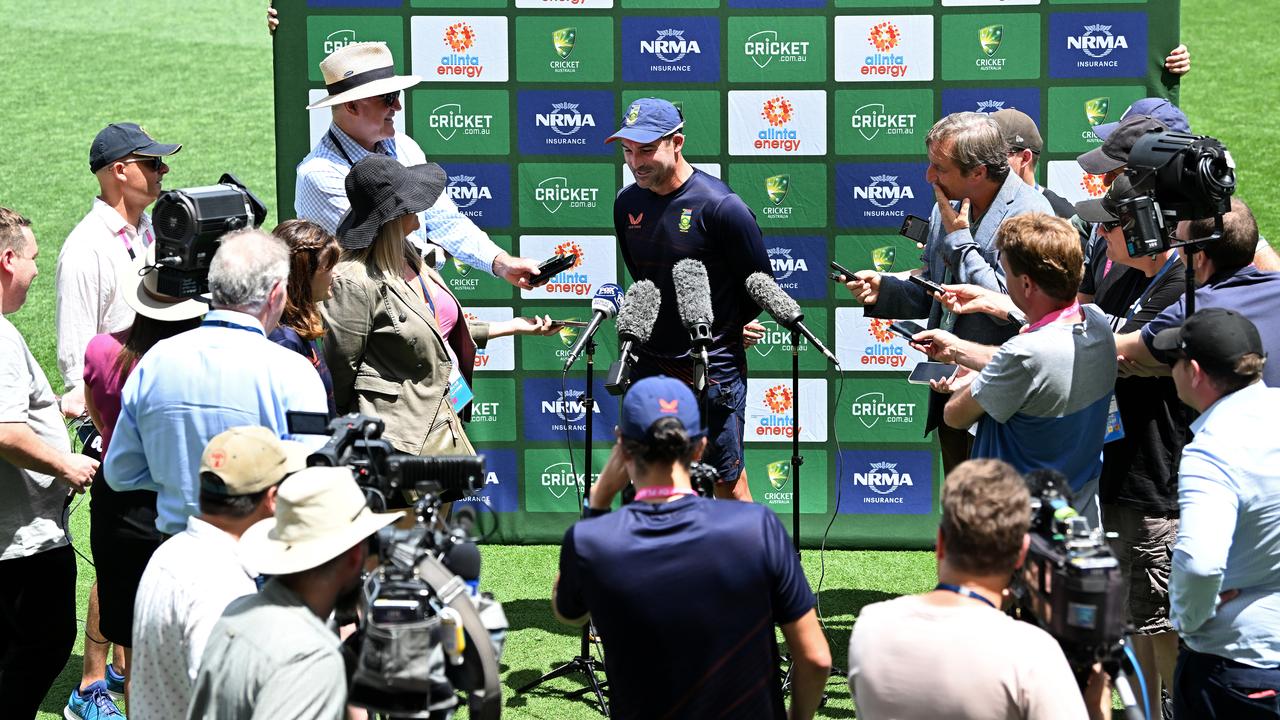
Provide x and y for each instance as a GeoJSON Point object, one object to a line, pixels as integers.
{"type": "Point", "coordinates": [551, 267]}
{"type": "Point", "coordinates": [906, 329]}
{"type": "Point", "coordinates": [929, 286]}
{"type": "Point", "coordinates": [842, 274]}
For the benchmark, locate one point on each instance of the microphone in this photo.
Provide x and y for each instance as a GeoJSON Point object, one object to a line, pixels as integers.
{"type": "Point", "coordinates": [765, 291]}
{"type": "Point", "coordinates": [463, 560]}
{"type": "Point", "coordinates": [603, 306]}
{"type": "Point", "coordinates": [693, 302]}
{"type": "Point", "coordinates": [636, 319]}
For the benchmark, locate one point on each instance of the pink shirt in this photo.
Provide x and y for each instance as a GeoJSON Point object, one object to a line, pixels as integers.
{"type": "Point", "coordinates": [103, 381]}
{"type": "Point", "coordinates": [446, 309]}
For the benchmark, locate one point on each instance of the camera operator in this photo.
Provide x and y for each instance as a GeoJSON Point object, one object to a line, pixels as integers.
{"type": "Point", "coordinates": [272, 655]}
{"type": "Point", "coordinates": [1041, 399]}
{"type": "Point", "coordinates": [1226, 279]}
{"type": "Point", "coordinates": [653, 580]}
{"type": "Point", "coordinates": [976, 192]}
{"type": "Point", "coordinates": [1225, 586]}
{"type": "Point", "coordinates": [961, 653]}
{"type": "Point", "coordinates": [225, 373]}
{"type": "Point", "coordinates": [194, 576]}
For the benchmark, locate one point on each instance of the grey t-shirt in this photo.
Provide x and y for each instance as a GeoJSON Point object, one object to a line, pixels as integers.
{"type": "Point", "coordinates": [30, 502]}
{"type": "Point", "coordinates": [270, 658]}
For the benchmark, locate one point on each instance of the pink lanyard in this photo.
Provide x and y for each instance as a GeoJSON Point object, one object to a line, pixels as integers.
{"type": "Point", "coordinates": [657, 493]}
{"type": "Point", "coordinates": [1054, 316]}
{"type": "Point", "coordinates": [123, 234]}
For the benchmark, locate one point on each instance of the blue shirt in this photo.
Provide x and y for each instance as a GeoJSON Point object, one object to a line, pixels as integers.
{"type": "Point", "coordinates": [1229, 534]}
{"type": "Point", "coordinates": [701, 581]}
{"type": "Point", "coordinates": [1249, 291]}
{"type": "Point", "coordinates": [703, 220]}
{"type": "Point", "coordinates": [321, 196]}
{"type": "Point", "coordinates": [189, 388]}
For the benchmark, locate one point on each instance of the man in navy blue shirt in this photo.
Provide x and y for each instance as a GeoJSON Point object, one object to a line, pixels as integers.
{"type": "Point", "coordinates": [1227, 279]}
{"type": "Point", "coordinates": [654, 581]}
{"type": "Point", "coordinates": [673, 212]}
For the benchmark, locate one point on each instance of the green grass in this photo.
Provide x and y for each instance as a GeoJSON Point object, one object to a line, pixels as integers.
{"type": "Point", "coordinates": [200, 73]}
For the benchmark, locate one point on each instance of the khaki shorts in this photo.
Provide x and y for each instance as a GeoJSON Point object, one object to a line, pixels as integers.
{"type": "Point", "coordinates": [1144, 547]}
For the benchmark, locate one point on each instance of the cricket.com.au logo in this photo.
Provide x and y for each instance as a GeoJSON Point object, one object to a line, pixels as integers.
{"type": "Point", "coordinates": [464, 192]}
{"type": "Point", "coordinates": [774, 337]}
{"type": "Point", "coordinates": [450, 119]}
{"type": "Point", "coordinates": [671, 47]}
{"type": "Point", "coordinates": [1097, 42]}
{"type": "Point", "coordinates": [765, 48]}
{"type": "Point", "coordinates": [459, 38]}
{"type": "Point", "coordinates": [871, 408]}
{"type": "Point", "coordinates": [884, 479]}
{"type": "Point", "coordinates": [338, 39]}
{"type": "Point", "coordinates": [884, 192]}
{"type": "Point", "coordinates": [884, 38]}
{"type": "Point", "coordinates": [989, 39]}
{"type": "Point", "coordinates": [562, 42]}
{"type": "Point", "coordinates": [555, 193]}
{"type": "Point", "coordinates": [872, 119]}
{"type": "Point", "coordinates": [565, 120]}
{"type": "Point", "coordinates": [776, 188]}
{"type": "Point", "coordinates": [778, 112]}
{"type": "Point", "coordinates": [558, 479]}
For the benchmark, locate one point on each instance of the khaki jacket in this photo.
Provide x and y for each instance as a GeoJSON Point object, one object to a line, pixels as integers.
{"type": "Point", "coordinates": [388, 359]}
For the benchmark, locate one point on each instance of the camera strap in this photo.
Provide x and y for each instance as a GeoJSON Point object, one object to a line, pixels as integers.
{"type": "Point", "coordinates": [1136, 307]}
{"type": "Point", "coordinates": [965, 592]}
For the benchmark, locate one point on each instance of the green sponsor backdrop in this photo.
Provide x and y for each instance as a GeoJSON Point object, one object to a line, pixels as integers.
{"type": "Point", "coordinates": [770, 47]}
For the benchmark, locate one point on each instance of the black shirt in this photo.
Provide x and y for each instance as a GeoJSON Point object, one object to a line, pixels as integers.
{"type": "Point", "coordinates": [703, 220]}
{"type": "Point", "coordinates": [1141, 469]}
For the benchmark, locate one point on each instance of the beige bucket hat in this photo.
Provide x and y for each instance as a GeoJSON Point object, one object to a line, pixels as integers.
{"type": "Point", "coordinates": [138, 285]}
{"type": "Point", "coordinates": [360, 70]}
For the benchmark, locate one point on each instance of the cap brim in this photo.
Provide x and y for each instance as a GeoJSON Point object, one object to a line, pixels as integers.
{"type": "Point", "coordinates": [1096, 162]}
{"type": "Point", "coordinates": [1168, 340]}
{"type": "Point", "coordinates": [641, 136]}
{"type": "Point", "coordinates": [1093, 211]}
{"type": "Point", "coordinates": [266, 554]}
{"type": "Point", "coordinates": [1105, 129]}
{"type": "Point", "coordinates": [156, 149]}
{"type": "Point", "coordinates": [370, 89]}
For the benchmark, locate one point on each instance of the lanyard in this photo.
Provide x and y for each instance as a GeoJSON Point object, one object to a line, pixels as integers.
{"type": "Point", "coordinates": [426, 294]}
{"type": "Point", "coordinates": [233, 326]}
{"type": "Point", "coordinates": [338, 146]}
{"type": "Point", "coordinates": [656, 493]}
{"type": "Point", "coordinates": [1054, 316]}
{"type": "Point", "coordinates": [965, 592]}
{"type": "Point", "coordinates": [1136, 307]}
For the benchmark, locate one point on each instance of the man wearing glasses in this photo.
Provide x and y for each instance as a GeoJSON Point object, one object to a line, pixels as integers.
{"type": "Point", "coordinates": [364, 93]}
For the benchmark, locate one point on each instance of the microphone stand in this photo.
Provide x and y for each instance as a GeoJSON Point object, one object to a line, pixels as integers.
{"type": "Point", "coordinates": [584, 662]}
{"type": "Point", "coordinates": [796, 459]}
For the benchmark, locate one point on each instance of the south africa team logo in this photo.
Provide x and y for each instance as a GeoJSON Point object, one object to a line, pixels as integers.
{"type": "Point", "coordinates": [777, 187]}
{"type": "Point", "coordinates": [633, 114]}
{"type": "Point", "coordinates": [563, 40]}
{"type": "Point", "coordinates": [1095, 110]}
{"type": "Point", "coordinates": [989, 38]}
{"type": "Point", "coordinates": [686, 219]}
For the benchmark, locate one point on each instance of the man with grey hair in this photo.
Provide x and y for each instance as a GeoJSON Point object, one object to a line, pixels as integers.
{"type": "Point", "coordinates": [969, 171]}
{"type": "Point", "coordinates": [223, 374]}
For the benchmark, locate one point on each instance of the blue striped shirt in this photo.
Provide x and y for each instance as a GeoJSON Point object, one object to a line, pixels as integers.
{"type": "Point", "coordinates": [321, 196]}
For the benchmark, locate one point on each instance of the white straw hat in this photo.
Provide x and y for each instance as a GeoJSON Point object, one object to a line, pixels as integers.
{"type": "Point", "coordinates": [360, 70]}
{"type": "Point", "coordinates": [320, 514]}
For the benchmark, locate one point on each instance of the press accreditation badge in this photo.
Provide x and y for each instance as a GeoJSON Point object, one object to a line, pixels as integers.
{"type": "Point", "coordinates": [459, 391]}
{"type": "Point", "coordinates": [1115, 428]}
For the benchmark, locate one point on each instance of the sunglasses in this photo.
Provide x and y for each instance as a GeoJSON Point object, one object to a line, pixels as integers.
{"type": "Point", "coordinates": [156, 163]}
{"type": "Point", "coordinates": [390, 98]}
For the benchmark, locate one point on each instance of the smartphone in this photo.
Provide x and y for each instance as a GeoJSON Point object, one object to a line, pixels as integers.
{"type": "Point", "coordinates": [916, 228]}
{"type": "Point", "coordinates": [928, 285]}
{"type": "Point", "coordinates": [842, 274]}
{"type": "Point", "coordinates": [926, 371]}
{"type": "Point", "coordinates": [905, 328]}
{"type": "Point", "coordinates": [551, 267]}
{"type": "Point", "coordinates": [570, 323]}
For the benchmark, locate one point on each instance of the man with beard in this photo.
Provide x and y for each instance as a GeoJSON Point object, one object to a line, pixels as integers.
{"type": "Point", "coordinates": [271, 655]}
{"type": "Point", "coordinates": [673, 212]}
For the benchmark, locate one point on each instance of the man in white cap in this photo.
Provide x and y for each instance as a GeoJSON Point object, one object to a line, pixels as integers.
{"type": "Point", "coordinates": [194, 576]}
{"type": "Point", "coordinates": [268, 646]}
{"type": "Point", "coordinates": [364, 92]}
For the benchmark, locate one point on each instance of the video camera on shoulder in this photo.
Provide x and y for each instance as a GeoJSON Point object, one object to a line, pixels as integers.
{"type": "Point", "coordinates": [1175, 176]}
{"type": "Point", "coordinates": [188, 225]}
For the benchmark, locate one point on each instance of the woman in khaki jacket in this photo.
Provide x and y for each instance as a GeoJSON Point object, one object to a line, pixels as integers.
{"type": "Point", "coordinates": [398, 343]}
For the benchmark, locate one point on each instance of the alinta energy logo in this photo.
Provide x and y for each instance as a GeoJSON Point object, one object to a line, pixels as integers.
{"type": "Point", "coordinates": [778, 112]}
{"type": "Point", "coordinates": [884, 37]}
{"type": "Point", "coordinates": [872, 119]}
{"type": "Point", "coordinates": [338, 39]}
{"type": "Point", "coordinates": [764, 48]}
{"type": "Point", "coordinates": [989, 39]}
{"type": "Point", "coordinates": [670, 46]}
{"type": "Point", "coordinates": [870, 408]}
{"type": "Point", "coordinates": [565, 120]}
{"type": "Point", "coordinates": [776, 188]}
{"type": "Point", "coordinates": [555, 192]}
{"type": "Point", "coordinates": [883, 351]}
{"type": "Point", "coordinates": [884, 479]}
{"type": "Point", "coordinates": [779, 422]}
{"type": "Point", "coordinates": [1093, 185]}
{"type": "Point", "coordinates": [883, 191]}
{"type": "Point", "coordinates": [1097, 42]}
{"type": "Point", "coordinates": [464, 192]}
{"type": "Point", "coordinates": [449, 119]}
{"type": "Point", "coordinates": [567, 406]}
{"type": "Point", "coordinates": [562, 42]}
{"type": "Point", "coordinates": [570, 281]}
{"type": "Point", "coordinates": [1095, 113]}
{"type": "Point", "coordinates": [460, 37]}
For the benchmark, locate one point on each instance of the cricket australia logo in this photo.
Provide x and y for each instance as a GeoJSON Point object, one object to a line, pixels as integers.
{"type": "Point", "coordinates": [1095, 110]}
{"type": "Point", "coordinates": [777, 187]}
{"type": "Point", "coordinates": [989, 38]}
{"type": "Point", "coordinates": [563, 40]}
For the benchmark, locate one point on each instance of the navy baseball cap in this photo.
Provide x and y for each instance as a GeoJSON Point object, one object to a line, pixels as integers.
{"type": "Point", "coordinates": [120, 139]}
{"type": "Point", "coordinates": [648, 119]}
{"type": "Point", "coordinates": [1113, 154]}
{"type": "Point", "coordinates": [654, 398]}
{"type": "Point", "coordinates": [1214, 337]}
{"type": "Point", "coordinates": [1159, 108]}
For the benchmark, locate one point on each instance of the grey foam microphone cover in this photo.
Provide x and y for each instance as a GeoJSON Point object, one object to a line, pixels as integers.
{"type": "Point", "coordinates": [693, 292]}
{"type": "Point", "coordinates": [765, 291]}
{"type": "Point", "coordinates": [639, 311]}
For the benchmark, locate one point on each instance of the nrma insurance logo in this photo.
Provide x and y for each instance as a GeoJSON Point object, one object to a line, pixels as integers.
{"type": "Point", "coordinates": [501, 484]}
{"type": "Point", "coordinates": [562, 122]}
{"type": "Point", "coordinates": [989, 100]}
{"type": "Point", "coordinates": [799, 265]}
{"type": "Point", "coordinates": [451, 119]}
{"type": "Point", "coordinates": [887, 482]}
{"type": "Point", "coordinates": [670, 49]}
{"type": "Point", "coordinates": [482, 192]}
{"type": "Point", "coordinates": [765, 48]}
{"type": "Point", "coordinates": [1098, 44]}
{"type": "Point", "coordinates": [553, 412]}
{"type": "Point", "coordinates": [881, 194]}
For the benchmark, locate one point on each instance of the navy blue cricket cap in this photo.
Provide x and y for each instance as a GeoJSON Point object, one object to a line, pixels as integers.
{"type": "Point", "coordinates": [120, 139]}
{"type": "Point", "coordinates": [654, 398]}
{"type": "Point", "coordinates": [1214, 337]}
{"type": "Point", "coordinates": [1158, 108]}
{"type": "Point", "coordinates": [648, 119]}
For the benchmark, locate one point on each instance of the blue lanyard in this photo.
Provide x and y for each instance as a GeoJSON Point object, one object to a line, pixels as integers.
{"type": "Point", "coordinates": [233, 326]}
{"type": "Point", "coordinates": [966, 592]}
{"type": "Point", "coordinates": [426, 294]}
{"type": "Point", "coordinates": [1136, 307]}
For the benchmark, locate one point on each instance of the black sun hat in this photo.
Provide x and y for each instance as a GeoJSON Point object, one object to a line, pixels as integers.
{"type": "Point", "coordinates": [380, 189]}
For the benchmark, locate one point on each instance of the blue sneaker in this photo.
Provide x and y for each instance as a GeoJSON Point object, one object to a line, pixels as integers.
{"type": "Point", "coordinates": [115, 683]}
{"type": "Point", "coordinates": [92, 704]}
